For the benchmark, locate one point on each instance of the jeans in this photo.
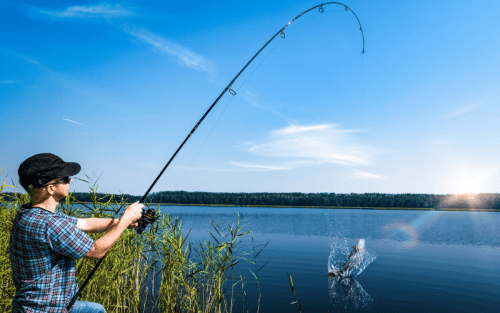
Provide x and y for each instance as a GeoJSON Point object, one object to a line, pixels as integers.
{"type": "Point", "coordinates": [87, 307]}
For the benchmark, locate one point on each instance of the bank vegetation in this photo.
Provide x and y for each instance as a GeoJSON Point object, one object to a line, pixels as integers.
{"type": "Point", "coordinates": [158, 271]}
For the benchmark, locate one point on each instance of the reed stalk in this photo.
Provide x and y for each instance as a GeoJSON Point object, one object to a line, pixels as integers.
{"type": "Point", "coordinates": [158, 271]}
{"type": "Point", "coordinates": [297, 301]}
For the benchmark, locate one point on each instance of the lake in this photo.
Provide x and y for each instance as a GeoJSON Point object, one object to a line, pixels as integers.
{"type": "Point", "coordinates": [426, 261]}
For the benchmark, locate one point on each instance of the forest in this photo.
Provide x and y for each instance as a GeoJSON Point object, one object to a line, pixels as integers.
{"type": "Point", "coordinates": [486, 201]}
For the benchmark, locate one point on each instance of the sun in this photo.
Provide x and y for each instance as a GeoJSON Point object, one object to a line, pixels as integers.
{"type": "Point", "coordinates": [464, 179]}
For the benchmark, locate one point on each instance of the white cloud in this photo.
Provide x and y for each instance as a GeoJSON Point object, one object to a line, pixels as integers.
{"type": "Point", "coordinates": [33, 61]}
{"type": "Point", "coordinates": [205, 168]}
{"type": "Point", "coordinates": [9, 81]}
{"type": "Point", "coordinates": [461, 111]}
{"type": "Point", "coordinates": [183, 55]}
{"type": "Point", "coordinates": [261, 166]}
{"type": "Point", "coordinates": [73, 121]}
{"type": "Point", "coordinates": [365, 175]}
{"type": "Point", "coordinates": [313, 145]}
{"type": "Point", "coordinates": [293, 129]}
{"type": "Point", "coordinates": [95, 11]}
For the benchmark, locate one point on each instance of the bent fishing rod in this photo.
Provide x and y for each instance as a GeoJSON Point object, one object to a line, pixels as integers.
{"type": "Point", "coordinates": [150, 217]}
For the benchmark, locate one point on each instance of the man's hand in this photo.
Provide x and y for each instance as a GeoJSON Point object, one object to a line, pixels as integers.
{"type": "Point", "coordinates": [132, 214]}
{"type": "Point", "coordinates": [129, 218]}
{"type": "Point", "coordinates": [133, 225]}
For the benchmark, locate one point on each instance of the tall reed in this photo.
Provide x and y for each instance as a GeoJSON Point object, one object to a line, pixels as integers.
{"type": "Point", "coordinates": [8, 212]}
{"type": "Point", "coordinates": [158, 271]}
{"type": "Point", "coordinates": [297, 301]}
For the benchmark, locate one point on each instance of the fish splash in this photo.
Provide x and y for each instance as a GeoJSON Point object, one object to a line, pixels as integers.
{"type": "Point", "coordinates": [345, 263]}
{"type": "Point", "coordinates": [347, 294]}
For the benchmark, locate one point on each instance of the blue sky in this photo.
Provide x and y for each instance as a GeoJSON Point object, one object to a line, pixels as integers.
{"type": "Point", "coordinates": [117, 86]}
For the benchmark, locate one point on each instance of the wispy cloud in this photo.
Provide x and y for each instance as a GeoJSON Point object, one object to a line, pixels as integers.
{"type": "Point", "coordinates": [17, 55]}
{"type": "Point", "coordinates": [107, 11]}
{"type": "Point", "coordinates": [206, 168]}
{"type": "Point", "coordinates": [74, 122]}
{"type": "Point", "coordinates": [261, 167]}
{"type": "Point", "coordinates": [32, 61]}
{"type": "Point", "coordinates": [252, 100]}
{"type": "Point", "coordinates": [365, 175]}
{"type": "Point", "coordinates": [183, 55]}
{"type": "Point", "coordinates": [8, 81]}
{"type": "Point", "coordinates": [312, 145]}
{"type": "Point", "coordinates": [461, 111]}
{"type": "Point", "coordinates": [294, 129]}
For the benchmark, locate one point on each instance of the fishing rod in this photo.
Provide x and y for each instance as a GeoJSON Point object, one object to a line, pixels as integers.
{"type": "Point", "coordinates": [150, 217]}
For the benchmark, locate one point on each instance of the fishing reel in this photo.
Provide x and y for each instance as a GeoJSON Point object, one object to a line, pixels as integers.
{"type": "Point", "coordinates": [148, 217]}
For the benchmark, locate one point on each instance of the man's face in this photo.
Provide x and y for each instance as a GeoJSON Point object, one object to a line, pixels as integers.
{"type": "Point", "coordinates": [59, 187]}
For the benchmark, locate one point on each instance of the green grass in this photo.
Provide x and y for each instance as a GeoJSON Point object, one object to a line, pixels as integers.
{"type": "Point", "coordinates": [193, 276]}
{"type": "Point", "coordinates": [7, 215]}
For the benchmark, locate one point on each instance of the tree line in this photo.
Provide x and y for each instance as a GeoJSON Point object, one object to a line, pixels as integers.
{"type": "Point", "coordinates": [484, 201]}
{"type": "Point", "coordinates": [479, 201]}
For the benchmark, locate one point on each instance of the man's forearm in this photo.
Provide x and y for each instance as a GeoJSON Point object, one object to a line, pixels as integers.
{"type": "Point", "coordinates": [103, 244]}
{"type": "Point", "coordinates": [96, 225]}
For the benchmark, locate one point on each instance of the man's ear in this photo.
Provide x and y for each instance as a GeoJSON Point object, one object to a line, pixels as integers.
{"type": "Point", "coordinates": [50, 189]}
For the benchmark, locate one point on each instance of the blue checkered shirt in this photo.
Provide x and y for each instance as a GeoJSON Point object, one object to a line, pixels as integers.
{"type": "Point", "coordinates": [43, 248]}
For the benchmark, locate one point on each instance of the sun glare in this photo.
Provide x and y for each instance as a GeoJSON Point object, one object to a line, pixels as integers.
{"type": "Point", "coordinates": [467, 181]}
{"type": "Point", "coordinates": [467, 200]}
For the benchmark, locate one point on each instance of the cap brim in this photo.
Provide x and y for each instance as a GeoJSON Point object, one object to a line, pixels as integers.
{"type": "Point", "coordinates": [70, 169]}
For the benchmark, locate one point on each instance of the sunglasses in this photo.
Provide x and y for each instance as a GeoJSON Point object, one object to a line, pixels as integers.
{"type": "Point", "coordinates": [64, 180]}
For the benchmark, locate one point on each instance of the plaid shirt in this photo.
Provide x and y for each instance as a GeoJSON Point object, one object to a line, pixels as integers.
{"type": "Point", "coordinates": [43, 249]}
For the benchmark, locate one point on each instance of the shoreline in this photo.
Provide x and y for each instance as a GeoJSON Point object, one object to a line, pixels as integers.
{"type": "Point", "coordinates": [320, 207]}
{"type": "Point", "coordinates": [315, 207]}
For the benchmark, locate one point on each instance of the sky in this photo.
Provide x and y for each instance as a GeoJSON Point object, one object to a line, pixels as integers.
{"type": "Point", "coordinates": [117, 86]}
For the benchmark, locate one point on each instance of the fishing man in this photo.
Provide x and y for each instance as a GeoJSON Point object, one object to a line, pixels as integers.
{"type": "Point", "coordinates": [44, 243]}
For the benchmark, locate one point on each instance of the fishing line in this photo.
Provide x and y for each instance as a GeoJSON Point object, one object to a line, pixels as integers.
{"type": "Point", "coordinates": [244, 82]}
{"type": "Point", "coordinates": [220, 116]}
{"type": "Point", "coordinates": [149, 217]}
{"type": "Point", "coordinates": [363, 81]}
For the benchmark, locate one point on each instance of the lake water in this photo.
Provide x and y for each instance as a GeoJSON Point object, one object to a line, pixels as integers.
{"type": "Point", "coordinates": [425, 261]}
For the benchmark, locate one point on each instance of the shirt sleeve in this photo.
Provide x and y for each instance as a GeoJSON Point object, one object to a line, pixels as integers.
{"type": "Point", "coordinates": [64, 238]}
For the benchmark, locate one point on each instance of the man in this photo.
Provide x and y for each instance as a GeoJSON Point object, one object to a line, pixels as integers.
{"type": "Point", "coordinates": [44, 244]}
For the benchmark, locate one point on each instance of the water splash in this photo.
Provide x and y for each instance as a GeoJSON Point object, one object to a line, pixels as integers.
{"type": "Point", "coordinates": [348, 263]}
{"type": "Point", "coordinates": [347, 294]}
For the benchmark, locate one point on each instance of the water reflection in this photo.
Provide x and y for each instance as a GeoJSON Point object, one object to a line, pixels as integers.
{"type": "Point", "coordinates": [407, 234]}
{"type": "Point", "coordinates": [347, 294]}
{"type": "Point", "coordinates": [434, 227]}
{"type": "Point", "coordinates": [403, 235]}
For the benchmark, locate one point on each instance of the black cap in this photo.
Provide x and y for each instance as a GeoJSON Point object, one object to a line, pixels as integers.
{"type": "Point", "coordinates": [44, 167]}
